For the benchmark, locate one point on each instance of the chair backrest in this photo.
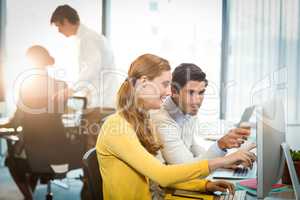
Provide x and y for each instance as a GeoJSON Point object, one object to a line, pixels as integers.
{"type": "Point", "coordinates": [91, 167]}
{"type": "Point", "coordinates": [45, 141]}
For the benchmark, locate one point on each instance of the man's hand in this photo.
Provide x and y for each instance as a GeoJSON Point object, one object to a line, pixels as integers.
{"type": "Point", "coordinates": [234, 138]}
{"type": "Point", "coordinates": [221, 186]}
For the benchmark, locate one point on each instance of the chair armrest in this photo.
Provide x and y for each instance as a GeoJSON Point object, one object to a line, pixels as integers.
{"type": "Point", "coordinates": [12, 138]}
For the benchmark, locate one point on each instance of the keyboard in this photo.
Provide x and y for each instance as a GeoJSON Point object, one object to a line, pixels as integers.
{"type": "Point", "coordinates": [238, 195]}
{"type": "Point", "coordinates": [241, 172]}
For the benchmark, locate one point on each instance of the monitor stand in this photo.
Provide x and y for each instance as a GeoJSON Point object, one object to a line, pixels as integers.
{"type": "Point", "coordinates": [292, 170]}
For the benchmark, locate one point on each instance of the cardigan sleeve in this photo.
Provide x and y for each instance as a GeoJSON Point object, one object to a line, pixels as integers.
{"type": "Point", "coordinates": [121, 141]}
{"type": "Point", "coordinates": [192, 185]}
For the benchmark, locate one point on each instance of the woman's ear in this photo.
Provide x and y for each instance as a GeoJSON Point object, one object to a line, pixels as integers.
{"type": "Point", "coordinates": [143, 79]}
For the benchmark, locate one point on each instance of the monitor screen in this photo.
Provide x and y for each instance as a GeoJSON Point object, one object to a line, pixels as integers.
{"type": "Point", "coordinates": [270, 136]}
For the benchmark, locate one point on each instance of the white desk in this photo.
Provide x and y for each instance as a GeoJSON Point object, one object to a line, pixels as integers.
{"type": "Point", "coordinates": [277, 196]}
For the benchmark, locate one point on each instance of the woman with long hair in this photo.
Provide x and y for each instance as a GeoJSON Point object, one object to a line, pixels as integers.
{"type": "Point", "coordinates": [127, 146]}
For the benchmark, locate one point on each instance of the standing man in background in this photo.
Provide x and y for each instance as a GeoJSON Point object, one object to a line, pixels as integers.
{"type": "Point", "coordinates": [96, 61]}
{"type": "Point", "coordinates": [96, 69]}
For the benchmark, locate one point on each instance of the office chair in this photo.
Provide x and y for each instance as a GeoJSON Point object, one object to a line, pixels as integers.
{"type": "Point", "coordinates": [46, 147]}
{"type": "Point", "coordinates": [50, 152]}
{"type": "Point", "coordinates": [91, 168]}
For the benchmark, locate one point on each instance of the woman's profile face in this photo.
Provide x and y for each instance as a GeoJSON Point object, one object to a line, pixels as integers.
{"type": "Point", "coordinates": [153, 92]}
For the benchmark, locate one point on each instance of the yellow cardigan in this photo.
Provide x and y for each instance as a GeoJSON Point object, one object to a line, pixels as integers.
{"type": "Point", "coordinates": [126, 166]}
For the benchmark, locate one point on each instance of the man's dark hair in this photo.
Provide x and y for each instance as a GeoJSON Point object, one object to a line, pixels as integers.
{"type": "Point", "coordinates": [65, 12]}
{"type": "Point", "coordinates": [187, 72]}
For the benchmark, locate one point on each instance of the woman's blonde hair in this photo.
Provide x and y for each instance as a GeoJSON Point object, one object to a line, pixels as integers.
{"type": "Point", "coordinates": [130, 108]}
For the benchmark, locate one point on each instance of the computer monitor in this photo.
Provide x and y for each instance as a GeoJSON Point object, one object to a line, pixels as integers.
{"type": "Point", "coordinates": [246, 115]}
{"type": "Point", "coordinates": [270, 135]}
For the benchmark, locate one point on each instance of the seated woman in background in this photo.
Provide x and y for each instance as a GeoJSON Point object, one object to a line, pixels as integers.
{"type": "Point", "coordinates": [127, 146]}
{"type": "Point", "coordinates": [37, 105]}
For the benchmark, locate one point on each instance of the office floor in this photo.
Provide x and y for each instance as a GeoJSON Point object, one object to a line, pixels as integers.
{"type": "Point", "coordinates": [9, 191]}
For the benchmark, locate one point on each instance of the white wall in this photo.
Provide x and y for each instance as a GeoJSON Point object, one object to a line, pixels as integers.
{"type": "Point", "coordinates": [179, 31]}
{"type": "Point", "coordinates": [28, 23]}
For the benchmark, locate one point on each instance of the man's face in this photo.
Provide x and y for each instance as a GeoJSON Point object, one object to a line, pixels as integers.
{"type": "Point", "coordinates": [190, 97]}
{"type": "Point", "coordinates": [65, 28]}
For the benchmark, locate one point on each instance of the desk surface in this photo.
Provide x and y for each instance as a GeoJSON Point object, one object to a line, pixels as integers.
{"type": "Point", "coordinates": [278, 196]}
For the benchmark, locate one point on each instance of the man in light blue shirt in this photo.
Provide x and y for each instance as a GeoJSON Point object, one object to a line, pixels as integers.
{"type": "Point", "coordinates": [177, 122]}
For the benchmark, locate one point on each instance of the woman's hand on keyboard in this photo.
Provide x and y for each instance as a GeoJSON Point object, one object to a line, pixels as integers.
{"type": "Point", "coordinates": [222, 186]}
{"type": "Point", "coordinates": [240, 157]}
